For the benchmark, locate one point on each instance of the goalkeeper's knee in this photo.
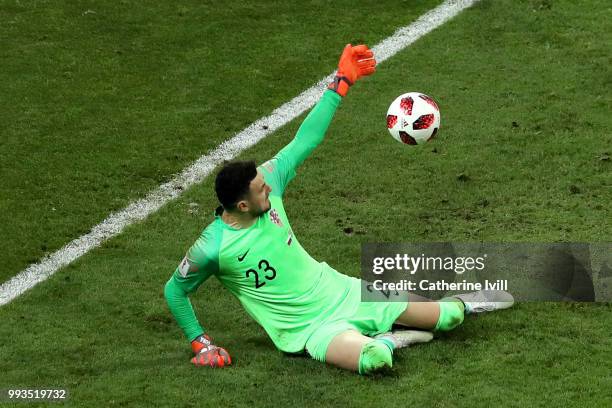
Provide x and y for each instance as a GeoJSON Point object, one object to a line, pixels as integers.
{"type": "Point", "coordinates": [451, 314]}
{"type": "Point", "coordinates": [374, 356]}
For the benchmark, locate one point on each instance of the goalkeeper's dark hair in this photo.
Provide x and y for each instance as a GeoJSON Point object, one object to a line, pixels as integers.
{"type": "Point", "coordinates": [233, 181]}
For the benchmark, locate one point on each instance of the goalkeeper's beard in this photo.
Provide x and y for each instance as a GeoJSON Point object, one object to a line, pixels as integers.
{"type": "Point", "coordinates": [259, 211]}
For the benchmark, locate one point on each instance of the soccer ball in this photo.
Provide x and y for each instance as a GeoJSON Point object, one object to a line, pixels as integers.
{"type": "Point", "coordinates": [413, 118]}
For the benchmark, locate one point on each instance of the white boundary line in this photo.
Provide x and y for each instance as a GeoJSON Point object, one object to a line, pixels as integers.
{"type": "Point", "coordinates": [196, 172]}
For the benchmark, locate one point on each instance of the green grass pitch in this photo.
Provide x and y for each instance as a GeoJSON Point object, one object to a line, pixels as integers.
{"type": "Point", "coordinates": [102, 101]}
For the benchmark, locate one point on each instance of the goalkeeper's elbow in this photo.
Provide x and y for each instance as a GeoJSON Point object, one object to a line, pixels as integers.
{"type": "Point", "coordinates": [168, 288]}
{"type": "Point", "coordinates": [172, 291]}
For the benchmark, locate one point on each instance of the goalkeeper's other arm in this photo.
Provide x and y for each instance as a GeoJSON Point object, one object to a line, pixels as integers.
{"type": "Point", "coordinates": [206, 353]}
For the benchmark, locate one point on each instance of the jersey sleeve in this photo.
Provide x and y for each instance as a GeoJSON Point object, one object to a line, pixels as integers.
{"type": "Point", "coordinates": [200, 262]}
{"type": "Point", "coordinates": [281, 169]}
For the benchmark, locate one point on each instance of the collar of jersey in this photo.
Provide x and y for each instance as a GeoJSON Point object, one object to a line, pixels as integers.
{"type": "Point", "coordinates": [229, 227]}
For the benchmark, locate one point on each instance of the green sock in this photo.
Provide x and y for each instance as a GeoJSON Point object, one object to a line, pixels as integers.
{"type": "Point", "coordinates": [452, 311]}
{"type": "Point", "coordinates": [388, 343]}
{"type": "Point", "coordinates": [375, 355]}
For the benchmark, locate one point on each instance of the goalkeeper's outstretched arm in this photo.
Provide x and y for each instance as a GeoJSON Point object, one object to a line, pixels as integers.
{"type": "Point", "coordinates": [355, 62]}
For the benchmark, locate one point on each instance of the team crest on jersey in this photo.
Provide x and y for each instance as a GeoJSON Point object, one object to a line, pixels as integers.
{"type": "Point", "coordinates": [274, 217]}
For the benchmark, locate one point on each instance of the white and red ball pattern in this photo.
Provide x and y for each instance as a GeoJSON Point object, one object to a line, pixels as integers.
{"type": "Point", "coordinates": [413, 118]}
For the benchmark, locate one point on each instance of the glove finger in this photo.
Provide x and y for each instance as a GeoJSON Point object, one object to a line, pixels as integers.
{"type": "Point", "coordinates": [227, 360]}
{"type": "Point", "coordinates": [202, 359]}
{"type": "Point", "coordinates": [367, 71]}
{"type": "Point", "coordinates": [219, 361]}
{"type": "Point", "coordinates": [366, 63]}
{"type": "Point", "coordinates": [347, 51]}
{"type": "Point", "coordinates": [361, 49]}
{"type": "Point", "coordinates": [364, 55]}
{"type": "Point", "coordinates": [222, 358]}
{"type": "Point", "coordinates": [360, 59]}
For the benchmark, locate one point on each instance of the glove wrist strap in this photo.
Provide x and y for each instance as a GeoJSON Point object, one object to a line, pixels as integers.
{"type": "Point", "coordinates": [340, 85]}
{"type": "Point", "coordinates": [201, 342]}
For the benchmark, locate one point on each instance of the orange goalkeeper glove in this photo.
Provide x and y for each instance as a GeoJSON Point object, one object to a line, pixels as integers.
{"type": "Point", "coordinates": [355, 62]}
{"type": "Point", "coordinates": [207, 354]}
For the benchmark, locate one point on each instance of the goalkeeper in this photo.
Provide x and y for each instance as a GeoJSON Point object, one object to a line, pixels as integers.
{"type": "Point", "coordinates": [302, 304]}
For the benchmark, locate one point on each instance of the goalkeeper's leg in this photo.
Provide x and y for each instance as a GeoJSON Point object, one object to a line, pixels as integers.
{"type": "Point", "coordinates": [448, 313]}
{"type": "Point", "coordinates": [352, 350]}
{"type": "Point", "coordinates": [422, 313]}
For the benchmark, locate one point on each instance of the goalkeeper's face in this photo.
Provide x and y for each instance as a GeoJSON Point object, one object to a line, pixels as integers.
{"type": "Point", "coordinates": [258, 199]}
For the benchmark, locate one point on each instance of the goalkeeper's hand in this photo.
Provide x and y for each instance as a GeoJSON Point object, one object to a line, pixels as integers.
{"type": "Point", "coordinates": [207, 354]}
{"type": "Point", "coordinates": [355, 62]}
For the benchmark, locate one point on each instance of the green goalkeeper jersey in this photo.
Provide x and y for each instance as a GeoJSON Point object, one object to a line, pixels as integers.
{"type": "Point", "coordinates": [278, 283]}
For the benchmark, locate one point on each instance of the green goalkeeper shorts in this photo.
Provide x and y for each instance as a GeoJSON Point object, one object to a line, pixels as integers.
{"type": "Point", "coordinates": [367, 318]}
